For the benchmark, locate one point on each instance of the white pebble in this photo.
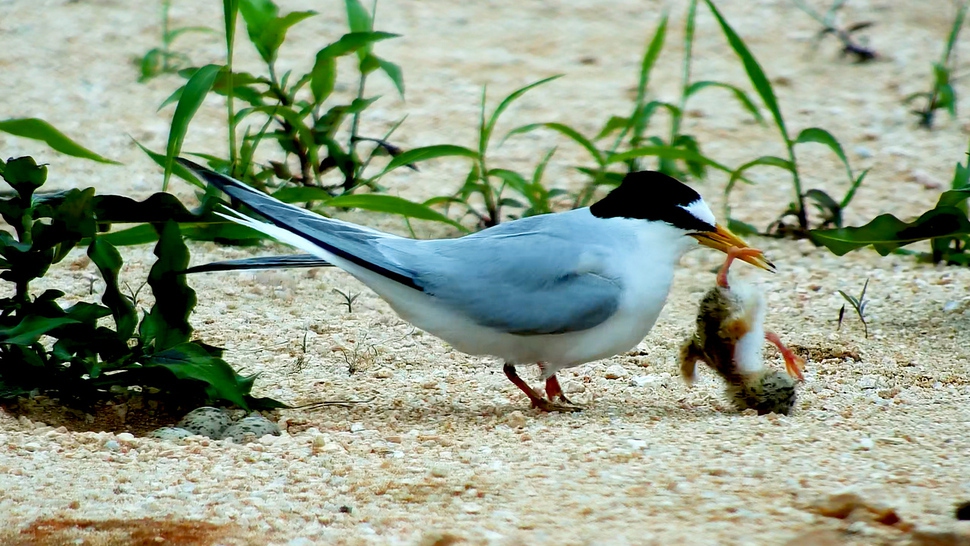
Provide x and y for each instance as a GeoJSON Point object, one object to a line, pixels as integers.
{"type": "Point", "coordinates": [866, 444]}
{"type": "Point", "coordinates": [615, 371]}
{"type": "Point", "coordinates": [112, 445]}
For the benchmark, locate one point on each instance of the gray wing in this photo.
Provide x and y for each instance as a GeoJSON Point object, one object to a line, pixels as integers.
{"type": "Point", "coordinates": [530, 283]}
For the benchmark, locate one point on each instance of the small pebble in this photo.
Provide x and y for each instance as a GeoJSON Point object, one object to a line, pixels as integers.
{"type": "Point", "coordinates": [615, 371]}
{"type": "Point", "coordinates": [112, 445]}
{"type": "Point", "coordinates": [866, 444]}
{"type": "Point", "coordinates": [516, 419]}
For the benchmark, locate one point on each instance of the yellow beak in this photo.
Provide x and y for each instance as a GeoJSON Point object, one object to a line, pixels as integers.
{"type": "Point", "coordinates": [722, 239]}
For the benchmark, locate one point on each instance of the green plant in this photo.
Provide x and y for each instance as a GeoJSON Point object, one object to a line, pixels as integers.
{"type": "Point", "coordinates": [946, 226]}
{"type": "Point", "coordinates": [300, 113]}
{"type": "Point", "coordinates": [861, 52]}
{"type": "Point", "coordinates": [679, 154]}
{"type": "Point", "coordinates": [858, 304]}
{"type": "Point", "coordinates": [942, 96]}
{"type": "Point", "coordinates": [69, 351]}
{"type": "Point", "coordinates": [163, 60]}
{"type": "Point", "coordinates": [831, 209]}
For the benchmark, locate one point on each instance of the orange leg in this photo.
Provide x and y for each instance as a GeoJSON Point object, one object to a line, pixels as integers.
{"type": "Point", "coordinates": [537, 401]}
{"type": "Point", "coordinates": [734, 253]}
{"type": "Point", "coordinates": [794, 364]}
{"type": "Point", "coordinates": [554, 391]}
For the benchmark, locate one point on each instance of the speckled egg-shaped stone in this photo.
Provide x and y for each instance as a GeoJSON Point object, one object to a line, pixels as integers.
{"type": "Point", "coordinates": [255, 425]}
{"type": "Point", "coordinates": [207, 421]}
{"type": "Point", "coordinates": [170, 434]}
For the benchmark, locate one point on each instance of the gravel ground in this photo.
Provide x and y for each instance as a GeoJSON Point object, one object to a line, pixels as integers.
{"type": "Point", "coordinates": [448, 451]}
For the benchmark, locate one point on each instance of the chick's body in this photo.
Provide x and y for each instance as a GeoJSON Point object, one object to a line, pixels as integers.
{"type": "Point", "coordinates": [729, 338]}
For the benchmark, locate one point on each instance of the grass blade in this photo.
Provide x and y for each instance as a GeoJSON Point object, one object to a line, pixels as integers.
{"type": "Point", "coordinates": [757, 76]}
{"type": "Point", "coordinates": [821, 136]}
{"type": "Point", "coordinates": [740, 95]}
{"type": "Point", "coordinates": [506, 102]}
{"type": "Point", "coordinates": [650, 58]}
{"type": "Point", "coordinates": [193, 94]}
{"type": "Point", "coordinates": [425, 153]}
{"type": "Point", "coordinates": [39, 129]}
{"type": "Point", "coordinates": [392, 204]}
{"type": "Point", "coordinates": [666, 152]}
{"type": "Point", "coordinates": [566, 131]}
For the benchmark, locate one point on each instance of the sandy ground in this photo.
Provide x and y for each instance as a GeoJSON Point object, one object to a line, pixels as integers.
{"type": "Point", "coordinates": [448, 450]}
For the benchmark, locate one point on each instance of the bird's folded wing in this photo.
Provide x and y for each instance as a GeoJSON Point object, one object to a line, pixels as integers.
{"type": "Point", "coordinates": [261, 262]}
{"type": "Point", "coordinates": [530, 285]}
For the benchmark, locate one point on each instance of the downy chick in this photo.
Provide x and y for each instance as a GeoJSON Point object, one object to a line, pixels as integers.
{"type": "Point", "coordinates": [729, 338]}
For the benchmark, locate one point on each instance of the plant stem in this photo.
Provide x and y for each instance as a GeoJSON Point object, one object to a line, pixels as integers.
{"type": "Point", "coordinates": [354, 126]}
{"type": "Point", "coordinates": [685, 77]}
{"type": "Point", "coordinates": [230, 11]}
{"type": "Point", "coordinates": [797, 182]}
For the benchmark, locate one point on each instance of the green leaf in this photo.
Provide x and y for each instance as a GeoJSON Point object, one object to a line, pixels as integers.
{"type": "Point", "coordinates": [39, 129]}
{"type": "Point", "coordinates": [768, 160]}
{"type": "Point", "coordinates": [24, 175]}
{"type": "Point", "coordinates": [741, 228]}
{"type": "Point", "coordinates": [566, 131]}
{"type": "Point", "coordinates": [740, 95]}
{"type": "Point", "coordinates": [323, 77]}
{"type": "Point", "coordinates": [274, 33]}
{"type": "Point", "coordinates": [393, 72]}
{"type": "Point", "coordinates": [168, 321]}
{"type": "Point", "coordinates": [666, 152]}
{"type": "Point", "coordinates": [108, 261]}
{"type": "Point", "coordinates": [392, 204]}
{"type": "Point", "coordinates": [886, 232]}
{"type": "Point", "coordinates": [30, 329]}
{"type": "Point", "coordinates": [614, 124]}
{"type": "Point", "coordinates": [755, 73]}
{"type": "Point", "coordinates": [650, 58]}
{"type": "Point", "coordinates": [821, 136]}
{"type": "Point", "coordinates": [192, 361]}
{"type": "Point", "coordinates": [487, 128]}
{"type": "Point", "coordinates": [194, 93]}
{"type": "Point", "coordinates": [425, 153]}
{"type": "Point", "coordinates": [358, 19]}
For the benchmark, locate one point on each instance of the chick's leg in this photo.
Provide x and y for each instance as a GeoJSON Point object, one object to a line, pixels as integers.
{"type": "Point", "coordinates": [734, 253]}
{"type": "Point", "coordinates": [534, 397]}
{"type": "Point", "coordinates": [794, 364]}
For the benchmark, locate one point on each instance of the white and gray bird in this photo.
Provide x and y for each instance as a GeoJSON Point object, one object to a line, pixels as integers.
{"type": "Point", "coordinates": [557, 290]}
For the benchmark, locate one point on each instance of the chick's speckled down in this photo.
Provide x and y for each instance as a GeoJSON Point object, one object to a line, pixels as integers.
{"type": "Point", "coordinates": [729, 338]}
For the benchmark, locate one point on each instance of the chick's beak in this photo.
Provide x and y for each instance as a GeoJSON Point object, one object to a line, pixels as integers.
{"type": "Point", "coordinates": [722, 239]}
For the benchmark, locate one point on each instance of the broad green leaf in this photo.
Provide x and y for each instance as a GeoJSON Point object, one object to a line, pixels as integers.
{"type": "Point", "coordinates": [177, 169]}
{"type": "Point", "coordinates": [191, 361]}
{"type": "Point", "coordinates": [425, 153]}
{"type": "Point", "coordinates": [24, 175]}
{"type": "Point", "coordinates": [740, 95]}
{"type": "Point", "coordinates": [391, 204]}
{"type": "Point", "coordinates": [273, 33]}
{"type": "Point", "coordinates": [358, 19]}
{"type": "Point", "coordinates": [755, 73]}
{"type": "Point", "coordinates": [821, 136]}
{"type": "Point", "coordinates": [486, 129]}
{"type": "Point", "coordinates": [886, 232]}
{"type": "Point", "coordinates": [108, 261]}
{"type": "Point", "coordinates": [194, 93]}
{"type": "Point", "coordinates": [39, 129]}
{"type": "Point", "coordinates": [740, 228]}
{"type": "Point", "coordinates": [566, 131]}
{"type": "Point", "coordinates": [168, 319]}
{"type": "Point", "coordinates": [30, 329]}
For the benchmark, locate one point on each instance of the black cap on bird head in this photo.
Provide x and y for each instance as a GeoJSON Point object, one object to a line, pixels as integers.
{"type": "Point", "coordinates": [654, 196]}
